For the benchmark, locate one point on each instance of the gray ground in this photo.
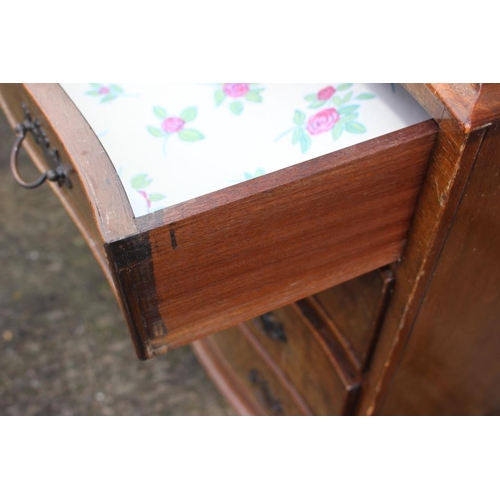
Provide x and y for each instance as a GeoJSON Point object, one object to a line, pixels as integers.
{"type": "Point", "coordinates": [64, 346]}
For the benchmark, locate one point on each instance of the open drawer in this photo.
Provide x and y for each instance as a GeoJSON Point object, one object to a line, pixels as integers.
{"type": "Point", "coordinates": [222, 257]}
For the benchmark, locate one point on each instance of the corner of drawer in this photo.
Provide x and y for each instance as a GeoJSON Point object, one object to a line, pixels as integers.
{"type": "Point", "coordinates": [131, 264]}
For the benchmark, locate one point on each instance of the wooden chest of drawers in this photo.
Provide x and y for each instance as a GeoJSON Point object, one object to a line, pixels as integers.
{"type": "Point", "coordinates": [304, 252]}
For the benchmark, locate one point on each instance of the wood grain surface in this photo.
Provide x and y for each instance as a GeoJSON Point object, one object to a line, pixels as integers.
{"type": "Point", "coordinates": [472, 106]}
{"type": "Point", "coordinates": [450, 364]}
{"type": "Point", "coordinates": [354, 311]}
{"type": "Point", "coordinates": [233, 255]}
{"type": "Point", "coordinates": [265, 383]}
{"type": "Point", "coordinates": [220, 371]}
{"type": "Point", "coordinates": [320, 374]}
{"type": "Point", "coordinates": [457, 148]}
{"type": "Point", "coordinates": [199, 267]}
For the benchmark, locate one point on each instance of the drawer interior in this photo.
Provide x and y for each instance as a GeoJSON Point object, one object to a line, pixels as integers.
{"type": "Point", "coordinates": [171, 143]}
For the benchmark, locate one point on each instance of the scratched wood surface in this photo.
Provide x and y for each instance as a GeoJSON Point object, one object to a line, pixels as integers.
{"type": "Point", "coordinates": [457, 146]}
{"type": "Point", "coordinates": [471, 106]}
{"type": "Point", "coordinates": [450, 364]}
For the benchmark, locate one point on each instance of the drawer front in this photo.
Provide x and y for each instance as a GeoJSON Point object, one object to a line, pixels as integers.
{"type": "Point", "coordinates": [354, 310]}
{"type": "Point", "coordinates": [320, 374]}
{"type": "Point", "coordinates": [262, 380]}
{"type": "Point", "coordinates": [261, 245]}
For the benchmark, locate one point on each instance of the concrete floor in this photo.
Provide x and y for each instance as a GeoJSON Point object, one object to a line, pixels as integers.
{"type": "Point", "coordinates": [64, 346]}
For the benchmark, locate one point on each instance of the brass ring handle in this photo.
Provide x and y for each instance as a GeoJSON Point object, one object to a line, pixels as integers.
{"type": "Point", "coordinates": [21, 134]}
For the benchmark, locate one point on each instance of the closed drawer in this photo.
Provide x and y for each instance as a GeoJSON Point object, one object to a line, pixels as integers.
{"type": "Point", "coordinates": [205, 264]}
{"type": "Point", "coordinates": [304, 349]}
{"type": "Point", "coordinates": [259, 379]}
{"type": "Point", "coordinates": [354, 309]}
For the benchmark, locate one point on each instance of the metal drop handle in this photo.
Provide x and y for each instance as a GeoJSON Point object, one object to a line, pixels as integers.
{"type": "Point", "coordinates": [271, 327]}
{"type": "Point", "coordinates": [264, 393]}
{"type": "Point", "coordinates": [57, 174]}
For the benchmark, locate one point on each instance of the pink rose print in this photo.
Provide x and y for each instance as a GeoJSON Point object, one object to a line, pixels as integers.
{"type": "Point", "coordinates": [140, 183]}
{"type": "Point", "coordinates": [174, 125]}
{"type": "Point", "coordinates": [106, 92]}
{"type": "Point", "coordinates": [340, 117]}
{"type": "Point", "coordinates": [331, 95]}
{"type": "Point", "coordinates": [236, 89]}
{"type": "Point", "coordinates": [238, 93]}
{"type": "Point", "coordinates": [145, 196]}
{"type": "Point", "coordinates": [171, 125]}
{"type": "Point", "coordinates": [326, 93]}
{"type": "Point", "coordinates": [323, 121]}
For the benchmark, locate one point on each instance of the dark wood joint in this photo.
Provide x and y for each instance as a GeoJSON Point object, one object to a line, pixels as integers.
{"type": "Point", "coordinates": [132, 263]}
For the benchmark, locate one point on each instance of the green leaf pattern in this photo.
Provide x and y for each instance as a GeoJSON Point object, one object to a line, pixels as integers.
{"type": "Point", "coordinates": [299, 117]}
{"type": "Point", "coordinates": [189, 114]}
{"type": "Point", "coordinates": [237, 94]}
{"type": "Point", "coordinates": [190, 135]}
{"type": "Point", "coordinates": [139, 183]}
{"type": "Point", "coordinates": [252, 175]}
{"type": "Point", "coordinates": [160, 112]}
{"type": "Point", "coordinates": [336, 108]}
{"type": "Point", "coordinates": [338, 103]}
{"type": "Point", "coordinates": [340, 114]}
{"type": "Point", "coordinates": [107, 92]}
{"type": "Point", "coordinates": [236, 107]}
{"type": "Point", "coordinates": [175, 125]}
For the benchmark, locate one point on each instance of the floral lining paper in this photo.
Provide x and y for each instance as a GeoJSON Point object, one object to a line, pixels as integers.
{"type": "Point", "coordinates": [173, 142]}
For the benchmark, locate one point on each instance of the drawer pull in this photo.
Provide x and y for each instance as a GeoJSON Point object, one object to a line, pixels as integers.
{"type": "Point", "coordinates": [272, 328]}
{"type": "Point", "coordinates": [264, 393]}
{"type": "Point", "coordinates": [57, 174]}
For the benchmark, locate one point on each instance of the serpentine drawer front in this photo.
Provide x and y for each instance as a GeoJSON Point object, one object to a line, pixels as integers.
{"type": "Point", "coordinates": [354, 311]}
{"type": "Point", "coordinates": [251, 372]}
{"type": "Point", "coordinates": [190, 260]}
{"type": "Point", "coordinates": [310, 358]}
